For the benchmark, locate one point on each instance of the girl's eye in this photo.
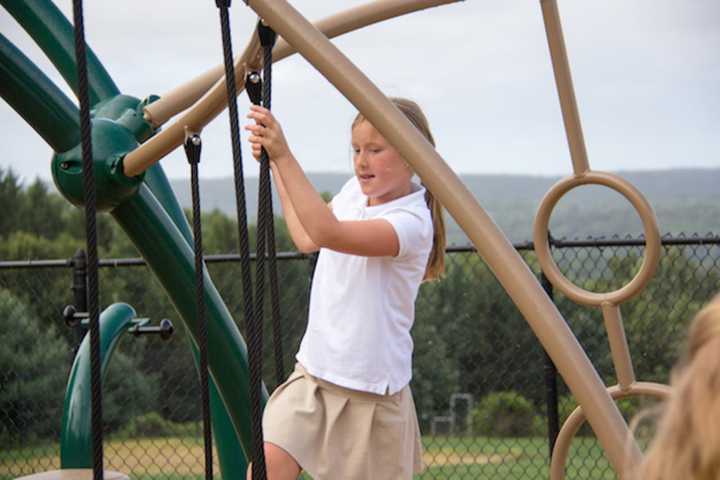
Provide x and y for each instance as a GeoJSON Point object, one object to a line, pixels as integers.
{"type": "Point", "coordinates": [375, 150]}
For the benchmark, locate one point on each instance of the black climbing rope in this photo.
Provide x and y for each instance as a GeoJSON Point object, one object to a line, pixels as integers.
{"type": "Point", "coordinates": [258, 454]}
{"type": "Point", "coordinates": [268, 43]}
{"type": "Point", "coordinates": [260, 90]}
{"type": "Point", "coordinates": [265, 237]}
{"type": "Point", "coordinates": [264, 227]}
{"type": "Point", "coordinates": [91, 240]}
{"type": "Point", "coordinates": [193, 147]}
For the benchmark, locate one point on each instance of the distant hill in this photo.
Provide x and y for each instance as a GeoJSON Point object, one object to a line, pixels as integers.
{"type": "Point", "coordinates": [684, 201]}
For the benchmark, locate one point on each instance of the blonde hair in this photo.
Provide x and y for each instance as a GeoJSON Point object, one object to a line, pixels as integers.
{"type": "Point", "coordinates": [436, 261]}
{"type": "Point", "coordinates": [687, 442]}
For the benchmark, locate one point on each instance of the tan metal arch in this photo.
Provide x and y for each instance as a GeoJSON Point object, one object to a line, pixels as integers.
{"type": "Point", "coordinates": [215, 100]}
{"type": "Point", "coordinates": [350, 20]}
{"type": "Point", "coordinates": [492, 245]}
{"type": "Point", "coordinates": [577, 417]}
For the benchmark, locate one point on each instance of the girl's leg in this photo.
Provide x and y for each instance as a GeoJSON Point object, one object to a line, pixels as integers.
{"type": "Point", "coordinates": [280, 465]}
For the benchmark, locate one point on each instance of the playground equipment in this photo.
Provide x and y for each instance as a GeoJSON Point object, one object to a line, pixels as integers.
{"type": "Point", "coordinates": [76, 435]}
{"type": "Point", "coordinates": [117, 319]}
{"type": "Point", "coordinates": [134, 189]}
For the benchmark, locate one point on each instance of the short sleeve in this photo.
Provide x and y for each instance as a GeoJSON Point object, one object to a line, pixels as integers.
{"type": "Point", "coordinates": [413, 228]}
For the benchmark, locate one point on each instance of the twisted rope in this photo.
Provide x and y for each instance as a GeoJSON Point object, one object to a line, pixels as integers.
{"type": "Point", "coordinates": [258, 453]}
{"type": "Point", "coordinates": [270, 227]}
{"type": "Point", "coordinates": [91, 240]}
{"type": "Point", "coordinates": [193, 147]}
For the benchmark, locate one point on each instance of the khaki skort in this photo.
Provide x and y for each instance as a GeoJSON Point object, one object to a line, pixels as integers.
{"type": "Point", "coordinates": [335, 433]}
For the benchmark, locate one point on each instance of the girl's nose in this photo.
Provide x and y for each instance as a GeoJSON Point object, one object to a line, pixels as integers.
{"type": "Point", "coordinates": [361, 158]}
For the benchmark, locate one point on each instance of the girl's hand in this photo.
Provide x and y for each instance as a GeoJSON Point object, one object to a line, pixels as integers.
{"type": "Point", "coordinates": [266, 132]}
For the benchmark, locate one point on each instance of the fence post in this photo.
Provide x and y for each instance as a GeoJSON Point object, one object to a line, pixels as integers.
{"type": "Point", "coordinates": [551, 393]}
{"type": "Point", "coordinates": [79, 289]}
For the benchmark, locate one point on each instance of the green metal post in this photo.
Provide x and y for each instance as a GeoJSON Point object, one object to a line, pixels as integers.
{"type": "Point", "coordinates": [111, 139]}
{"type": "Point", "coordinates": [53, 33]}
{"type": "Point", "coordinates": [170, 257]}
{"type": "Point", "coordinates": [76, 435]}
{"type": "Point", "coordinates": [36, 98]}
{"type": "Point", "coordinates": [233, 463]}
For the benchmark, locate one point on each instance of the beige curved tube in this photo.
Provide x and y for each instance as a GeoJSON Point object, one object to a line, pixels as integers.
{"type": "Point", "coordinates": [651, 230]}
{"type": "Point", "coordinates": [619, 349]}
{"type": "Point", "coordinates": [577, 417]}
{"type": "Point", "coordinates": [158, 112]}
{"type": "Point", "coordinates": [564, 83]}
{"type": "Point", "coordinates": [507, 265]}
{"type": "Point", "coordinates": [195, 120]}
{"type": "Point", "coordinates": [181, 98]}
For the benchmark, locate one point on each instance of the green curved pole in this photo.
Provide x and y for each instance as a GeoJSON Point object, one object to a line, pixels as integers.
{"type": "Point", "coordinates": [36, 98]}
{"type": "Point", "coordinates": [76, 432]}
{"type": "Point", "coordinates": [170, 257]}
{"type": "Point", "coordinates": [233, 463]}
{"type": "Point", "coordinates": [53, 33]}
{"type": "Point", "coordinates": [55, 118]}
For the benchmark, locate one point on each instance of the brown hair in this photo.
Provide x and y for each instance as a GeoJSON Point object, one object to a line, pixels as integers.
{"type": "Point", "coordinates": [436, 262]}
{"type": "Point", "coordinates": [687, 443]}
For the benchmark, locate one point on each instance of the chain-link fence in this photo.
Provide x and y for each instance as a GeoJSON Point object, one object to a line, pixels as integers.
{"type": "Point", "coordinates": [488, 400]}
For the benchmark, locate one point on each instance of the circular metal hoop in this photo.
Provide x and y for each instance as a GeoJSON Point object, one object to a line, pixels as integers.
{"type": "Point", "coordinates": [542, 245]}
{"type": "Point", "coordinates": [577, 418]}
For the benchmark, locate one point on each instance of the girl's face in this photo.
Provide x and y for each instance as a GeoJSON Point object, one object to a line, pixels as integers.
{"type": "Point", "coordinates": [381, 171]}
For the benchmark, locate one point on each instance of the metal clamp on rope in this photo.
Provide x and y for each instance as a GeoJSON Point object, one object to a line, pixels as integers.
{"type": "Point", "coordinates": [193, 147]}
{"type": "Point", "coordinates": [253, 87]}
{"type": "Point", "coordinates": [267, 35]}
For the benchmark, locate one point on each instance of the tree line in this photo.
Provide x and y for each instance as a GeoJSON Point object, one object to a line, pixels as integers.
{"type": "Point", "coordinates": [468, 335]}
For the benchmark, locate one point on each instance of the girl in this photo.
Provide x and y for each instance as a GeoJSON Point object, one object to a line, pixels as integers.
{"type": "Point", "coordinates": [687, 443]}
{"type": "Point", "coordinates": [347, 412]}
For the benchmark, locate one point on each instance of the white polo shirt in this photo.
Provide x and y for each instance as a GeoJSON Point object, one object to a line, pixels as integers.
{"type": "Point", "coordinates": [362, 308]}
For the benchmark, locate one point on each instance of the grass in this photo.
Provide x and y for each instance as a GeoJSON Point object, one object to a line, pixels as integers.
{"type": "Point", "coordinates": [181, 458]}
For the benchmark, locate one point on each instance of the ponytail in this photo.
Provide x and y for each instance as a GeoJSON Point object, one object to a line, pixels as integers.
{"type": "Point", "coordinates": [436, 261]}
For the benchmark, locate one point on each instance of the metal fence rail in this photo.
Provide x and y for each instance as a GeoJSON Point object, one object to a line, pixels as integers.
{"type": "Point", "coordinates": [488, 399]}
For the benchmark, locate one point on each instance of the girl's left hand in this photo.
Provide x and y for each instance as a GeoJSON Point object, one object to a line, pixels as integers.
{"type": "Point", "coordinates": [267, 133]}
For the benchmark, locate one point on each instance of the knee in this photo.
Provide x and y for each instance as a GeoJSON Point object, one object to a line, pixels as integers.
{"type": "Point", "coordinates": [279, 464]}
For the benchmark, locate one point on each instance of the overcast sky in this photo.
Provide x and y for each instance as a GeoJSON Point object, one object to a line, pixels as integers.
{"type": "Point", "coordinates": [646, 74]}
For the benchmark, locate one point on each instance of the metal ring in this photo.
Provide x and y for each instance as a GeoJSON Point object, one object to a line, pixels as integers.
{"type": "Point", "coordinates": [577, 418]}
{"type": "Point", "coordinates": [542, 246]}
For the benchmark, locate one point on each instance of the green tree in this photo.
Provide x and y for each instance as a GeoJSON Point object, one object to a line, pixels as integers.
{"type": "Point", "coordinates": [655, 320]}
{"type": "Point", "coordinates": [41, 212]}
{"type": "Point", "coordinates": [132, 386]}
{"type": "Point", "coordinates": [435, 376]}
{"type": "Point", "coordinates": [490, 344]}
{"type": "Point", "coordinates": [10, 199]}
{"type": "Point", "coordinates": [34, 369]}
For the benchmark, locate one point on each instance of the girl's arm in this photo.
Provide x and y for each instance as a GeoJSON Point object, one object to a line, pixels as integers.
{"type": "Point", "coordinates": [299, 236]}
{"type": "Point", "coordinates": [363, 237]}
